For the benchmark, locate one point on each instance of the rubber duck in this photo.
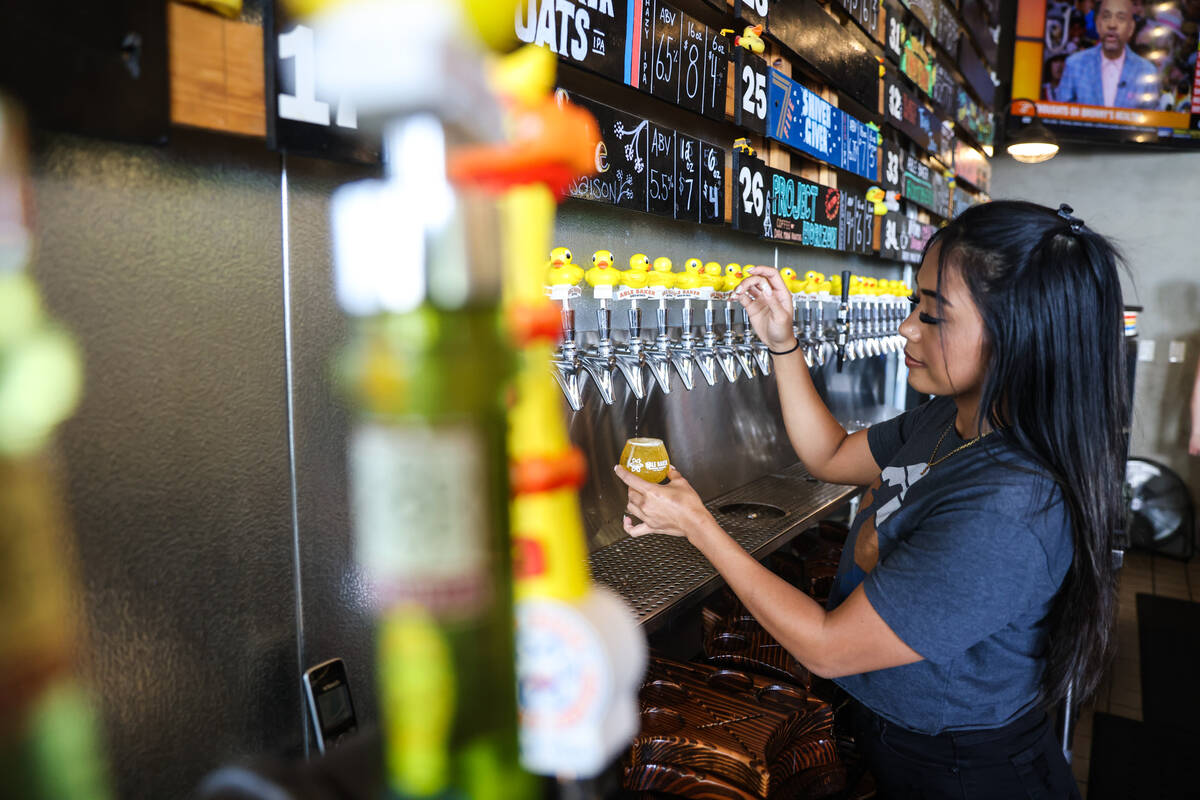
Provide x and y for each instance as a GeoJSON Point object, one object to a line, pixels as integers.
{"type": "Point", "coordinates": [561, 269]}
{"type": "Point", "coordinates": [635, 276]}
{"type": "Point", "coordinates": [690, 277]}
{"type": "Point", "coordinates": [789, 279]}
{"type": "Point", "coordinates": [662, 275]}
{"type": "Point", "coordinates": [742, 145]}
{"type": "Point", "coordinates": [751, 38]}
{"type": "Point", "coordinates": [710, 276]}
{"type": "Point", "coordinates": [813, 276]}
{"type": "Point", "coordinates": [876, 196]}
{"type": "Point", "coordinates": [733, 276]}
{"type": "Point", "coordinates": [603, 274]}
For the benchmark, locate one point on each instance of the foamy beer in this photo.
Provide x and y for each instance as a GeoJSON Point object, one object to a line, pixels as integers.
{"type": "Point", "coordinates": [646, 458]}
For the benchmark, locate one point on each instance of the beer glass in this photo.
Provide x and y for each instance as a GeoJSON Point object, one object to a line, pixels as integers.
{"type": "Point", "coordinates": [646, 458]}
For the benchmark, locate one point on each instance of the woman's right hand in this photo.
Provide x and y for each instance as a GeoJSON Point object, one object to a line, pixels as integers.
{"type": "Point", "coordinates": [768, 304]}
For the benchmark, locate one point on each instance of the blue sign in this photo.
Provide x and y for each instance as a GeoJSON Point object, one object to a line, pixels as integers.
{"type": "Point", "coordinates": [804, 120]}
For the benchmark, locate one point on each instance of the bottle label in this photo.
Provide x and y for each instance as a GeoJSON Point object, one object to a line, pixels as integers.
{"type": "Point", "coordinates": [419, 496]}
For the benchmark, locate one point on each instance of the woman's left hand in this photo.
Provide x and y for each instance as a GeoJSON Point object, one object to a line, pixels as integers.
{"type": "Point", "coordinates": [673, 508]}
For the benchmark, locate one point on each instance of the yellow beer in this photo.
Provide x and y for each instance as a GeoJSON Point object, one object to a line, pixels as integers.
{"type": "Point", "coordinates": [646, 458]}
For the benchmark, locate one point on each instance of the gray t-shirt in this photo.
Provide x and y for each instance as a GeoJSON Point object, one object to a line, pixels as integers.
{"type": "Point", "coordinates": [969, 555]}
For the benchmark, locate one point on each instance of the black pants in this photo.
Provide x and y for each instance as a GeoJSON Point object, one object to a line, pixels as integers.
{"type": "Point", "coordinates": [1019, 761]}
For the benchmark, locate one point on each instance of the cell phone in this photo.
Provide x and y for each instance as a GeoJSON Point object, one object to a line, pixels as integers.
{"type": "Point", "coordinates": [327, 690]}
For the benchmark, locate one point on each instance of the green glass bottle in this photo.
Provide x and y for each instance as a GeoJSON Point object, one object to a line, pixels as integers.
{"type": "Point", "coordinates": [426, 372]}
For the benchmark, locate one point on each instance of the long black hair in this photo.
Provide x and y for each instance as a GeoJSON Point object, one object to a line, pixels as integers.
{"type": "Point", "coordinates": [1048, 291]}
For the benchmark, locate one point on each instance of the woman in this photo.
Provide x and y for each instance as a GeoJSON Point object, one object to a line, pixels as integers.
{"type": "Point", "coordinates": [977, 584]}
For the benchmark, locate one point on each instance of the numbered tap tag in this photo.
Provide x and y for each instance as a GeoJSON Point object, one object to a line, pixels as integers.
{"type": "Point", "coordinates": [299, 120]}
{"type": "Point", "coordinates": [629, 293]}
{"type": "Point", "coordinates": [563, 291]}
{"type": "Point", "coordinates": [602, 292]}
{"type": "Point", "coordinates": [721, 295]}
{"type": "Point", "coordinates": [750, 107]}
{"type": "Point", "coordinates": [688, 294]}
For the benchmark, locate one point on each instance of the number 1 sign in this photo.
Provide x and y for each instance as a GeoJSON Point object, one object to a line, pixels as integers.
{"type": "Point", "coordinates": [299, 121]}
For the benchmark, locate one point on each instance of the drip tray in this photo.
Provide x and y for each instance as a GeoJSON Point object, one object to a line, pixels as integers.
{"type": "Point", "coordinates": [751, 512]}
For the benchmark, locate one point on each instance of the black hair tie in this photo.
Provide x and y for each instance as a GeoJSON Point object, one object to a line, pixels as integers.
{"type": "Point", "coordinates": [1065, 211]}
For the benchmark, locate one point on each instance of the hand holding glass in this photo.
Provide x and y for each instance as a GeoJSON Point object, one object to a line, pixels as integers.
{"type": "Point", "coordinates": [646, 458]}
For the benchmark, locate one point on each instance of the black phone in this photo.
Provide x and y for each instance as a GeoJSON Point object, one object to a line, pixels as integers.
{"type": "Point", "coordinates": [327, 689]}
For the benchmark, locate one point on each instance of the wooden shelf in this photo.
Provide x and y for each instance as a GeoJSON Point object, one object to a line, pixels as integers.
{"type": "Point", "coordinates": [216, 72]}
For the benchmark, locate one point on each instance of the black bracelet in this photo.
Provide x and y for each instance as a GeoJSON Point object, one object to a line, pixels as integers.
{"type": "Point", "coordinates": [791, 349]}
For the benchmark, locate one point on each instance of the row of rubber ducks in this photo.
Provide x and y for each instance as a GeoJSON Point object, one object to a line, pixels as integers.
{"type": "Point", "coordinates": [644, 273]}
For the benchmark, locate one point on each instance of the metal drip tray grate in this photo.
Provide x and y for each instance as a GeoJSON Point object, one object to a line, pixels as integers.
{"type": "Point", "coordinates": [655, 574]}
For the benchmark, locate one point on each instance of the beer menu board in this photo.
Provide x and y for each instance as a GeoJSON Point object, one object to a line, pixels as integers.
{"type": "Point", "coordinates": [977, 74]}
{"type": "Point", "coordinates": [648, 167]}
{"type": "Point", "coordinates": [590, 35]}
{"type": "Point", "coordinates": [916, 182]}
{"type": "Point", "coordinates": [856, 224]}
{"type": "Point", "coordinates": [975, 18]}
{"type": "Point", "coordinates": [905, 111]}
{"type": "Point", "coordinates": [972, 166]}
{"type": "Point", "coordinates": [945, 90]}
{"type": "Point", "coordinates": [947, 31]}
{"type": "Point", "coordinates": [676, 58]}
{"type": "Point", "coordinates": [865, 13]}
{"type": "Point", "coordinates": [893, 39]}
{"type": "Point", "coordinates": [975, 120]}
{"type": "Point", "coordinates": [778, 205]}
{"type": "Point", "coordinates": [917, 62]}
{"type": "Point", "coordinates": [804, 120]}
{"type": "Point", "coordinates": [750, 92]}
{"type": "Point", "coordinates": [902, 238]}
{"type": "Point", "coordinates": [893, 156]}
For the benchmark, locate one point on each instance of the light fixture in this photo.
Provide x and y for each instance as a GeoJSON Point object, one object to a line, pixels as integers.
{"type": "Point", "coordinates": [1034, 143]}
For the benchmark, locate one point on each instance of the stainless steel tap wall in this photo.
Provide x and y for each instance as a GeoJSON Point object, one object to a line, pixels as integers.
{"type": "Point", "coordinates": [205, 470]}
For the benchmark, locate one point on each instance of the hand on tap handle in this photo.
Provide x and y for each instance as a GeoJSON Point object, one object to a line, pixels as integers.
{"type": "Point", "coordinates": [673, 508]}
{"type": "Point", "coordinates": [768, 304]}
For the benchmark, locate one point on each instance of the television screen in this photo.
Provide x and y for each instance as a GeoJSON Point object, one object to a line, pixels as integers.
{"type": "Point", "coordinates": [1121, 70]}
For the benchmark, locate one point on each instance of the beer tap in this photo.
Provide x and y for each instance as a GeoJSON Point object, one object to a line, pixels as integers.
{"type": "Point", "coordinates": [843, 320]}
{"type": "Point", "coordinates": [725, 351]}
{"type": "Point", "coordinates": [631, 359]}
{"type": "Point", "coordinates": [561, 279]}
{"type": "Point", "coordinates": [754, 346]}
{"type": "Point", "coordinates": [658, 355]}
{"type": "Point", "coordinates": [688, 285]}
{"type": "Point", "coordinates": [600, 361]}
{"type": "Point", "coordinates": [810, 346]}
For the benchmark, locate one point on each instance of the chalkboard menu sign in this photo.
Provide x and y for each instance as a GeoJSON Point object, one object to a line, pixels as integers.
{"type": "Point", "coordinates": [943, 141]}
{"type": "Point", "coordinates": [941, 193]}
{"type": "Point", "coordinates": [972, 166]}
{"type": "Point", "coordinates": [712, 184]}
{"type": "Point", "coordinates": [903, 239]}
{"type": "Point", "coordinates": [985, 36]}
{"type": "Point", "coordinates": [807, 122]}
{"type": "Point", "coordinates": [964, 199]}
{"type": "Point", "coordinates": [890, 170]}
{"type": "Point", "coordinates": [945, 90]}
{"type": "Point", "coordinates": [838, 54]}
{"type": "Point", "coordinates": [865, 13]}
{"type": "Point", "coordinates": [589, 35]}
{"type": "Point", "coordinates": [947, 31]}
{"type": "Point", "coordinates": [649, 167]}
{"type": "Point", "coordinates": [750, 92]}
{"type": "Point", "coordinates": [917, 61]}
{"type": "Point", "coordinates": [924, 10]}
{"type": "Point", "coordinates": [904, 110]}
{"type": "Point", "coordinates": [298, 119]}
{"type": "Point", "coordinates": [916, 182]}
{"type": "Point", "coordinates": [977, 74]}
{"type": "Point", "coordinates": [975, 120]}
{"type": "Point", "coordinates": [677, 58]}
{"type": "Point", "coordinates": [856, 224]}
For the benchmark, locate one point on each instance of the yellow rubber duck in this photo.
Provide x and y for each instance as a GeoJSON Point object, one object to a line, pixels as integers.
{"type": "Point", "coordinates": [710, 275]}
{"type": "Point", "coordinates": [635, 276]}
{"type": "Point", "coordinates": [603, 274]}
{"type": "Point", "coordinates": [690, 277]}
{"type": "Point", "coordinates": [561, 269]}
{"type": "Point", "coordinates": [733, 276]}
{"type": "Point", "coordinates": [789, 280]}
{"type": "Point", "coordinates": [751, 38]}
{"type": "Point", "coordinates": [662, 275]}
{"type": "Point", "coordinates": [813, 275]}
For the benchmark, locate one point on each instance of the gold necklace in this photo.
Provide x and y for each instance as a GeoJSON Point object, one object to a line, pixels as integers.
{"type": "Point", "coordinates": [934, 461]}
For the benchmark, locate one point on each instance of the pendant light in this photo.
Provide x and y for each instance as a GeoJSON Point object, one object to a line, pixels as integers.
{"type": "Point", "coordinates": [1034, 143]}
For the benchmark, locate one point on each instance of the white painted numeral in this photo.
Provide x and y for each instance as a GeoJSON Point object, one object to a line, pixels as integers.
{"type": "Point", "coordinates": [303, 106]}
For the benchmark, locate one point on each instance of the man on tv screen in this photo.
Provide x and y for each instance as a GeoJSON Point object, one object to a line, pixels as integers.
{"type": "Point", "coordinates": [1110, 74]}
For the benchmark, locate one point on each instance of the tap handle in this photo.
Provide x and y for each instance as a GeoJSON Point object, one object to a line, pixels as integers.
{"type": "Point", "coordinates": [635, 322]}
{"type": "Point", "coordinates": [708, 318]}
{"type": "Point", "coordinates": [662, 320]}
{"type": "Point", "coordinates": [604, 322]}
{"type": "Point", "coordinates": [687, 317]}
{"type": "Point", "coordinates": [568, 325]}
{"type": "Point", "coordinates": [728, 316]}
{"type": "Point", "coordinates": [843, 320]}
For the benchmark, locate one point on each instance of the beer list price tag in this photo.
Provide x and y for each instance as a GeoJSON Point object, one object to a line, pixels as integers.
{"type": "Point", "coordinates": [660, 191]}
{"type": "Point", "coordinates": [906, 112]}
{"type": "Point", "coordinates": [856, 224]}
{"type": "Point", "coordinates": [299, 121]}
{"type": "Point", "coordinates": [916, 182]}
{"type": "Point", "coordinates": [750, 96]}
{"type": "Point", "coordinates": [903, 239]}
{"type": "Point", "coordinates": [590, 35]}
{"type": "Point", "coordinates": [676, 58]}
{"type": "Point", "coordinates": [893, 39]}
{"type": "Point", "coordinates": [777, 205]}
{"type": "Point", "coordinates": [893, 158]}
{"type": "Point", "coordinates": [751, 210]}
{"type": "Point", "coordinates": [865, 13]}
{"type": "Point", "coordinates": [712, 184]}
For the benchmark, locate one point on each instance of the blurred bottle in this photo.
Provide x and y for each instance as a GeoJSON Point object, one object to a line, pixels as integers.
{"type": "Point", "coordinates": [426, 372]}
{"type": "Point", "coordinates": [49, 746]}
